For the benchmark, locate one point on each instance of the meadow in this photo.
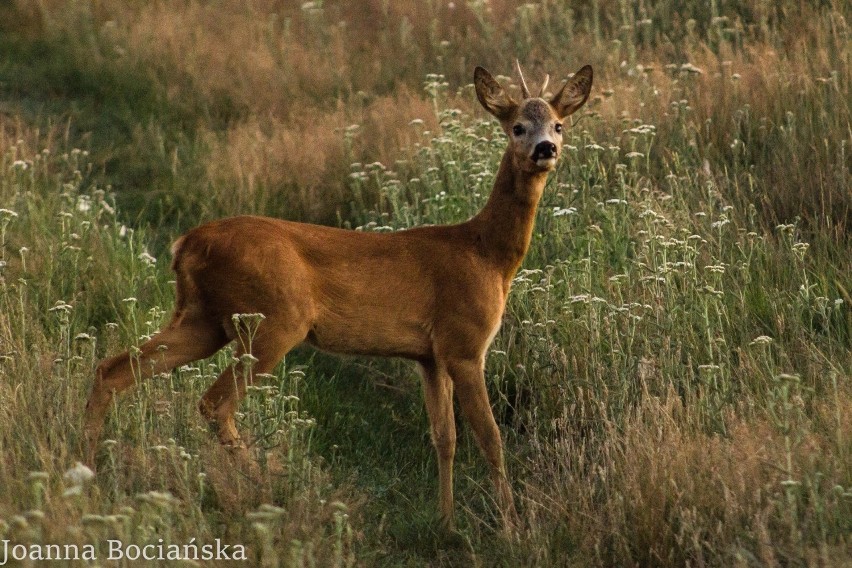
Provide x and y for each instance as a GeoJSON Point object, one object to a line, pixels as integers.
{"type": "Point", "coordinates": [672, 376]}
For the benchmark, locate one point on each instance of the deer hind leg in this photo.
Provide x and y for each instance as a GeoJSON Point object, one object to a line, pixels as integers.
{"type": "Point", "coordinates": [185, 339]}
{"type": "Point", "coordinates": [469, 380]}
{"type": "Point", "coordinates": [438, 395]}
{"type": "Point", "coordinates": [222, 399]}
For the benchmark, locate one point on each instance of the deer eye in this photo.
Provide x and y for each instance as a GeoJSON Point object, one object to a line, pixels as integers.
{"type": "Point", "coordinates": [518, 130]}
{"type": "Point", "coordinates": [558, 128]}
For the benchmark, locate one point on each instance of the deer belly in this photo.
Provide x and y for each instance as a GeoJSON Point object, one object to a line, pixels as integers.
{"type": "Point", "coordinates": [379, 332]}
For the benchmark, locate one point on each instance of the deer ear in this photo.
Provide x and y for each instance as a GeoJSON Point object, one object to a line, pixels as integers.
{"type": "Point", "coordinates": [492, 96]}
{"type": "Point", "coordinates": [574, 93]}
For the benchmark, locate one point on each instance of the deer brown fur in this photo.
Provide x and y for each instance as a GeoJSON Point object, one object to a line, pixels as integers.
{"type": "Point", "coordinates": [435, 294]}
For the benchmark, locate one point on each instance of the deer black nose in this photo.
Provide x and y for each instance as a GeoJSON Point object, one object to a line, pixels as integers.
{"type": "Point", "coordinates": [544, 151]}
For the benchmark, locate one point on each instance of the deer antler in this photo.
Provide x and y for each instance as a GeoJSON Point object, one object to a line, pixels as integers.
{"type": "Point", "coordinates": [544, 85]}
{"type": "Point", "coordinates": [524, 90]}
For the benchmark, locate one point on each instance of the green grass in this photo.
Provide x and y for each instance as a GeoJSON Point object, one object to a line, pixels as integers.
{"type": "Point", "coordinates": [672, 374]}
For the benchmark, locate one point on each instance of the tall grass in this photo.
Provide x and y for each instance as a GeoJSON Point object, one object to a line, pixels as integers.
{"type": "Point", "coordinates": [203, 95]}
{"type": "Point", "coordinates": [672, 375]}
{"type": "Point", "coordinates": [68, 263]}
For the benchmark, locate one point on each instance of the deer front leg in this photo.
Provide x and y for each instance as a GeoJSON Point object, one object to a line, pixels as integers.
{"type": "Point", "coordinates": [438, 395]}
{"type": "Point", "coordinates": [469, 381]}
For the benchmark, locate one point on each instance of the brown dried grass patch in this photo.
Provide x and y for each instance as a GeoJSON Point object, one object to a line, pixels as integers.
{"type": "Point", "coordinates": [299, 166]}
{"type": "Point", "coordinates": [657, 491]}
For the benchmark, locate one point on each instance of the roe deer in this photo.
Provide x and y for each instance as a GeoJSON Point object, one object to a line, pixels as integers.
{"type": "Point", "coordinates": [433, 294]}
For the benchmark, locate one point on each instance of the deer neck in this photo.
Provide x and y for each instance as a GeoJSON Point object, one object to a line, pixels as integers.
{"type": "Point", "coordinates": [504, 226]}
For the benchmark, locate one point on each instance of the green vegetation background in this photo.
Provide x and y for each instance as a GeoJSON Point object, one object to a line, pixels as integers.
{"type": "Point", "coordinates": [672, 375]}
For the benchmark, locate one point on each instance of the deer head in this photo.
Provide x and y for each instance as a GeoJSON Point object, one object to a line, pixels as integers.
{"type": "Point", "coordinates": [534, 125]}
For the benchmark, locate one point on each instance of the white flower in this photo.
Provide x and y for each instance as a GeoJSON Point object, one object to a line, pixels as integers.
{"type": "Point", "coordinates": [61, 306]}
{"type": "Point", "coordinates": [801, 248]}
{"type": "Point", "coordinates": [84, 204]}
{"type": "Point", "coordinates": [562, 211]}
{"type": "Point", "coordinates": [78, 475]}
{"type": "Point", "coordinates": [147, 258]}
{"type": "Point", "coordinates": [762, 340]}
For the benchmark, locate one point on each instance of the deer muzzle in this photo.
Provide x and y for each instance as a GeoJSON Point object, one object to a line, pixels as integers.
{"type": "Point", "coordinates": [545, 153]}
